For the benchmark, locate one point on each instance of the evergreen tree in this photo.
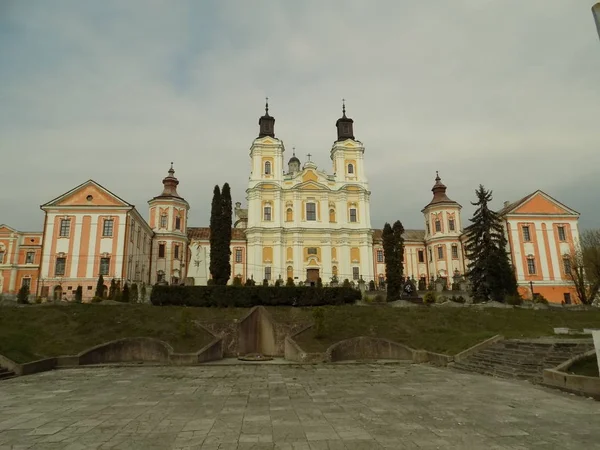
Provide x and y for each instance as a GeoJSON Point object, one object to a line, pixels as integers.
{"type": "Point", "coordinates": [23, 295]}
{"type": "Point", "coordinates": [225, 226]}
{"type": "Point", "coordinates": [393, 250]}
{"type": "Point", "coordinates": [100, 287]}
{"type": "Point", "coordinates": [215, 236]}
{"type": "Point", "coordinates": [125, 295]}
{"type": "Point", "coordinates": [489, 269]}
{"type": "Point", "coordinates": [134, 296]}
{"type": "Point", "coordinates": [112, 290]}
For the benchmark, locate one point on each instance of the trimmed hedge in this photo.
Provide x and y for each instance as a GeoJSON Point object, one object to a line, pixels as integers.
{"type": "Point", "coordinates": [248, 296]}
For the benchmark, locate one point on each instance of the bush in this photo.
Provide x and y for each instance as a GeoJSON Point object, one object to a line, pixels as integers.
{"type": "Point", "coordinates": [514, 300]}
{"type": "Point", "coordinates": [319, 282]}
{"type": "Point", "coordinates": [38, 299]}
{"type": "Point", "coordinates": [134, 296]}
{"type": "Point", "coordinates": [318, 315]}
{"type": "Point", "coordinates": [290, 282]}
{"type": "Point", "coordinates": [459, 299]}
{"type": "Point", "coordinates": [97, 299]}
{"type": "Point", "coordinates": [278, 282]}
{"type": "Point", "coordinates": [250, 282]}
{"type": "Point", "coordinates": [245, 297]}
{"type": "Point", "coordinates": [539, 298]}
{"type": "Point", "coordinates": [429, 298]}
{"type": "Point", "coordinates": [23, 295]}
{"type": "Point", "coordinates": [371, 285]}
{"type": "Point", "coordinates": [143, 293]}
{"type": "Point", "coordinates": [265, 283]}
{"type": "Point", "coordinates": [346, 283]}
{"type": "Point", "coordinates": [125, 295]}
{"type": "Point", "coordinates": [237, 281]}
{"type": "Point", "coordinates": [379, 298]}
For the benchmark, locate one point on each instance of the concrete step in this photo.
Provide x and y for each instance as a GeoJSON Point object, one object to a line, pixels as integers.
{"type": "Point", "coordinates": [6, 375]}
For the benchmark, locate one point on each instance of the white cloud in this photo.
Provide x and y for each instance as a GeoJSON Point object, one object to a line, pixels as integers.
{"type": "Point", "coordinates": [499, 93]}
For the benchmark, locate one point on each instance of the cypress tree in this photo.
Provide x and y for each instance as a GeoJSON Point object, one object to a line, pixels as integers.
{"type": "Point", "coordinates": [226, 224]}
{"type": "Point", "coordinates": [489, 269]}
{"type": "Point", "coordinates": [100, 287]}
{"type": "Point", "coordinates": [393, 250]}
{"type": "Point", "coordinates": [125, 294]}
{"type": "Point", "coordinates": [215, 235]}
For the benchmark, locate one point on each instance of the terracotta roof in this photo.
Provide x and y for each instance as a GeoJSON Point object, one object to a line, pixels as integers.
{"type": "Point", "coordinates": [203, 234]}
{"type": "Point", "coordinates": [409, 235]}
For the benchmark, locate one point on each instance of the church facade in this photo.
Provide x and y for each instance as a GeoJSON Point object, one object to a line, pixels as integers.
{"type": "Point", "coordinates": [301, 222]}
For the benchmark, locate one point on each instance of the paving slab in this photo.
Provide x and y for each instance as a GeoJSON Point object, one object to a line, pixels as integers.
{"type": "Point", "coordinates": [293, 407]}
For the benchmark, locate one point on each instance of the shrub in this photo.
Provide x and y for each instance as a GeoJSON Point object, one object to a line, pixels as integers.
{"type": "Point", "coordinates": [278, 282]}
{"type": "Point", "coordinates": [429, 297]}
{"type": "Point", "coordinates": [379, 298]}
{"type": "Point", "coordinates": [441, 299]}
{"type": "Point", "coordinates": [346, 283]}
{"type": "Point", "coordinates": [96, 299]}
{"type": "Point", "coordinates": [265, 282]}
{"type": "Point", "coordinates": [539, 298]}
{"type": "Point", "coordinates": [290, 282]}
{"type": "Point", "coordinates": [100, 287]}
{"type": "Point", "coordinates": [38, 299]}
{"type": "Point", "coordinates": [318, 315]}
{"type": "Point", "coordinates": [319, 282]}
{"type": "Point", "coordinates": [233, 296]}
{"type": "Point", "coordinates": [459, 299]}
{"type": "Point", "coordinates": [250, 282]}
{"type": "Point", "coordinates": [78, 294]}
{"type": "Point", "coordinates": [237, 281]}
{"type": "Point", "coordinates": [23, 295]}
{"type": "Point", "coordinates": [125, 294]}
{"type": "Point", "coordinates": [143, 292]}
{"type": "Point", "coordinates": [371, 285]}
{"type": "Point", "coordinates": [514, 300]}
{"type": "Point", "coordinates": [134, 296]}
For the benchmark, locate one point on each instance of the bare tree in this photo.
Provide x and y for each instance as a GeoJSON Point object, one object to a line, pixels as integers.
{"type": "Point", "coordinates": [584, 267]}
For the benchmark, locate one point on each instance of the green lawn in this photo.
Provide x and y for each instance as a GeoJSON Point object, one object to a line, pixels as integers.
{"type": "Point", "coordinates": [441, 330]}
{"type": "Point", "coordinates": [40, 331]}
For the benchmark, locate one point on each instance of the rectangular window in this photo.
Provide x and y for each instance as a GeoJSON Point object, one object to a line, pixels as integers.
{"type": "Point", "coordinates": [567, 297]}
{"type": "Point", "coordinates": [107, 229]}
{"type": "Point", "coordinates": [421, 256]}
{"type": "Point", "coordinates": [238, 255]}
{"type": "Point", "coordinates": [531, 266]}
{"type": "Point", "coordinates": [267, 213]}
{"type": "Point", "coordinates": [455, 251]}
{"type": "Point", "coordinates": [29, 257]}
{"type": "Point", "coordinates": [163, 221]}
{"type": "Point", "coordinates": [177, 252]}
{"type": "Point", "coordinates": [562, 236]}
{"type": "Point", "coordinates": [104, 266]}
{"type": "Point", "coordinates": [65, 227]}
{"type": "Point", "coordinates": [379, 256]}
{"type": "Point", "coordinates": [430, 255]}
{"type": "Point", "coordinates": [526, 234]}
{"type": "Point", "coordinates": [352, 214]}
{"type": "Point", "coordinates": [131, 231]}
{"type": "Point", "coordinates": [355, 273]}
{"type": "Point", "coordinates": [312, 250]}
{"type": "Point", "coordinates": [161, 250]}
{"type": "Point", "coordinates": [451, 224]}
{"type": "Point", "coordinates": [139, 233]}
{"type": "Point", "coordinates": [311, 211]}
{"type": "Point", "coordinates": [61, 263]}
{"type": "Point", "coordinates": [1, 257]}
{"type": "Point", "coordinates": [26, 282]}
{"type": "Point", "coordinates": [178, 223]}
{"type": "Point", "coordinates": [267, 273]}
{"type": "Point", "coordinates": [567, 266]}
{"type": "Point", "coordinates": [438, 226]}
{"type": "Point", "coordinates": [428, 230]}
{"type": "Point", "coordinates": [440, 252]}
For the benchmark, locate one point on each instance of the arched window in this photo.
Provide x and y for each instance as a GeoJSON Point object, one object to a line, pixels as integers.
{"type": "Point", "coordinates": [268, 168]}
{"type": "Point", "coordinates": [531, 265]}
{"type": "Point", "coordinates": [350, 168]}
{"type": "Point", "coordinates": [332, 215]}
{"type": "Point", "coordinates": [289, 215]}
{"type": "Point", "coordinates": [290, 272]}
{"type": "Point", "coordinates": [267, 212]}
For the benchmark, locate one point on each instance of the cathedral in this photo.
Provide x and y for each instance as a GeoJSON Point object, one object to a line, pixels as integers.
{"type": "Point", "coordinates": [301, 222]}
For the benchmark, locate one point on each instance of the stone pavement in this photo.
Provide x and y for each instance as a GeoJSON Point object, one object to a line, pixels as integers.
{"type": "Point", "coordinates": [397, 406]}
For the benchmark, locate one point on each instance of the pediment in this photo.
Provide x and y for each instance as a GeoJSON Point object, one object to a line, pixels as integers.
{"type": "Point", "coordinates": [312, 186]}
{"type": "Point", "coordinates": [6, 229]}
{"type": "Point", "coordinates": [88, 194]}
{"type": "Point", "coordinates": [541, 203]}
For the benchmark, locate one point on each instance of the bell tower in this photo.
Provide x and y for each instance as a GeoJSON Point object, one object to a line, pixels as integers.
{"type": "Point", "coordinates": [347, 153]}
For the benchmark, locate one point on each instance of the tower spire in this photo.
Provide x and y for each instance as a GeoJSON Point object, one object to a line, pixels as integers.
{"type": "Point", "coordinates": [170, 183]}
{"type": "Point", "coordinates": [344, 125]}
{"type": "Point", "coordinates": [266, 123]}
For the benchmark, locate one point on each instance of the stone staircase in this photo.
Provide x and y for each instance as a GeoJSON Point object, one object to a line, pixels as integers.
{"type": "Point", "coordinates": [523, 359]}
{"type": "Point", "coordinates": [6, 374]}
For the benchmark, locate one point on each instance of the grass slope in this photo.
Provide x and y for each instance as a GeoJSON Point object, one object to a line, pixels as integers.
{"type": "Point", "coordinates": [441, 330]}
{"type": "Point", "coordinates": [42, 331]}
{"type": "Point", "coordinates": [587, 367]}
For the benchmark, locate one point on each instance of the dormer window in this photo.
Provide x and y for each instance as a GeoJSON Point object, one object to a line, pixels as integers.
{"type": "Point", "coordinates": [268, 168]}
{"type": "Point", "coordinates": [350, 168]}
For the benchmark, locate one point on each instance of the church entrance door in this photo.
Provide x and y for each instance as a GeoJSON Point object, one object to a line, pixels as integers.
{"type": "Point", "coordinates": [312, 275]}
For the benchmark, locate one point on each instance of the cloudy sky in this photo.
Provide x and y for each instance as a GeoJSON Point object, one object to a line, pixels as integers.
{"type": "Point", "coordinates": [500, 92]}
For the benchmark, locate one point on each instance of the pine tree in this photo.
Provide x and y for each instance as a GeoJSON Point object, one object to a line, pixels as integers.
{"type": "Point", "coordinates": [393, 250]}
{"type": "Point", "coordinates": [226, 224]}
{"type": "Point", "coordinates": [215, 226]}
{"type": "Point", "coordinates": [489, 269]}
{"type": "Point", "coordinates": [100, 287]}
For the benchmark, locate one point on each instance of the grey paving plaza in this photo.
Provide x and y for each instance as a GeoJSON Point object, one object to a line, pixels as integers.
{"type": "Point", "coordinates": [367, 406]}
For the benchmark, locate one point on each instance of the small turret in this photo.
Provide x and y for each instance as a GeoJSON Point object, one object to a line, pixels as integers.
{"type": "Point", "coordinates": [344, 125]}
{"type": "Point", "coordinates": [266, 123]}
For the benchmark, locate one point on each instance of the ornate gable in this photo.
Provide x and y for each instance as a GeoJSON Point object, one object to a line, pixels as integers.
{"type": "Point", "coordinates": [88, 194]}
{"type": "Point", "coordinates": [540, 203]}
